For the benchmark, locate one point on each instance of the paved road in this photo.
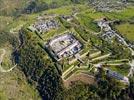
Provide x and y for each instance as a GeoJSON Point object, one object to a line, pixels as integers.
{"type": "Point", "coordinates": [131, 63]}
{"type": "Point", "coordinates": [1, 59]}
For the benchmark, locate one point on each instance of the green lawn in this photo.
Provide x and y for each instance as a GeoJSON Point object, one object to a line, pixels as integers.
{"type": "Point", "coordinates": [4, 21]}
{"type": "Point", "coordinates": [127, 30]}
{"type": "Point", "coordinates": [123, 69]}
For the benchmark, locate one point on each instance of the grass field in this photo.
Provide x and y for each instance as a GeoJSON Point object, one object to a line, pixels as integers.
{"type": "Point", "coordinates": [9, 7]}
{"type": "Point", "coordinates": [13, 86]}
{"type": "Point", "coordinates": [123, 69]}
{"type": "Point", "coordinates": [126, 30]}
{"type": "Point", "coordinates": [4, 21]}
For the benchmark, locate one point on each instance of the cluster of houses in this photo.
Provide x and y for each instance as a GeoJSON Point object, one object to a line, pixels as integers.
{"type": "Point", "coordinates": [104, 24]}
{"type": "Point", "coordinates": [45, 25]}
{"type": "Point", "coordinates": [63, 46]}
{"type": "Point", "coordinates": [108, 33]}
{"type": "Point", "coordinates": [108, 5]}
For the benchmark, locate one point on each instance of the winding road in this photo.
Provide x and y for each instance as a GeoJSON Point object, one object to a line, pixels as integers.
{"type": "Point", "coordinates": [1, 59]}
{"type": "Point", "coordinates": [131, 63]}
{"type": "Point", "coordinates": [122, 40]}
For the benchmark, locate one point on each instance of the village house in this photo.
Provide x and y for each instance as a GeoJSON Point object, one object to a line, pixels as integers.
{"type": "Point", "coordinates": [43, 26]}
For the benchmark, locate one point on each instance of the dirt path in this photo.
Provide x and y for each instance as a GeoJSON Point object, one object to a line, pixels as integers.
{"type": "Point", "coordinates": [131, 71]}
{"type": "Point", "coordinates": [2, 55]}
{"type": "Point", "coordinates": [1, 59]}
{"type": "Point", "coordinates": [101, 57]}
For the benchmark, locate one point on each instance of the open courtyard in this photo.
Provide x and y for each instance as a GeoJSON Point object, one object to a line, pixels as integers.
{"type": "Point", "coordinates": [63, 46]}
